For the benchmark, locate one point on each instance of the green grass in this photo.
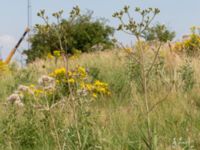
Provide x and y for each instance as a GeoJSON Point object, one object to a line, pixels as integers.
{"type": "Point", "coordinates": [117, 122]}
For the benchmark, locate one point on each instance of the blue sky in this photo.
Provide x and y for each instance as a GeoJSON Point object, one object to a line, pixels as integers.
{"type": "Point", "coordinates": [178, 15]}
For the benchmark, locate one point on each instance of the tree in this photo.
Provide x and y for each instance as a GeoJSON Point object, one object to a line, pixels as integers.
{"type": "Point", "coordinates": [78, 32]}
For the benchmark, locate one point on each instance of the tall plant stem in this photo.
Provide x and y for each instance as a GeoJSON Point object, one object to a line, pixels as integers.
{"type": "Point", "coordinates": [145, 91]}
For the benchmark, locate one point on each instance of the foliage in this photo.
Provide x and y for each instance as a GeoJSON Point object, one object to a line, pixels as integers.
{"type": "Point", "coordinates": [151, 103]}
{"type": "Point", "coordinates": [190, 46]}
{"type": "Point", "coordinates": [78, 32]}
{"type": "Point", "coordinates": [73, 87]}
{"type": "Point", "coordinates": [159, 32]}
{"type": "Point", "coordinates": [145, 64]}
{"type": "Point", "coordinates": [79, 80]}
{"type": "Point", "coordinates": [187, 76]}
{"type": "Point", "coordinates": [107, 122]}
{"type": "Point", "coordinates": [137, 29]}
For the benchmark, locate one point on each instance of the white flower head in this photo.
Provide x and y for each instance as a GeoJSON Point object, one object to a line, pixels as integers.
{"type": "Point", "coordinates": [23, 88]}
{"type": "Point", "coordinates": [46, 80]}
{"type": "Point", "coordinates": [13, 98]}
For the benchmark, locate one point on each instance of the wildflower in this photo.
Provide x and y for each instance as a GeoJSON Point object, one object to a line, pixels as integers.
{"type": "Point", "coordinates": [101, 90]}
{"type": "Point", "coordinates": [82, 72]}
{"type": "Point", "coordinates": [98, 83]}
{"type": "Point", "coordinates": [56, 53]}
{"type": "Point", "coordinates": [38, 92]}
{"type": "Point", "coordinates": [13, 98]}
{"type": "Point", "coordinates": [94, 95]}
{"type": "Point", "coordinates": [57, 81]}
{"type": "Point", "coordinates": [3, 66]}
{"type": "Point", "coordinates": [89, 87]}
{"type": "Point", "coordinates": [32, 86]}
{"type": "Point", "coordinates": [71, 80]}
{"type": "Point", "coordinates": [128, 50]}
{"type": "Point", "coordinates": [69, 73]}
{"type": "Point", "coordinates": [59, 73]}
{"type": "Point", "coordinates": [101, 87]}
{"type": "Point", "coordinates": [49, 56]}
{"type": "Point", "coordinates": [45, 80]}
{"type": "Point", "coordinates": [32, 89]}
{"type": "Point", "coordinates": [23, 88]}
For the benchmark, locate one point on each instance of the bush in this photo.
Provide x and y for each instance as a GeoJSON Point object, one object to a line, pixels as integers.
{"type": "Point", "coordinates": [80, 32]}
{"type": "Point", "coordinates": [190, 46]}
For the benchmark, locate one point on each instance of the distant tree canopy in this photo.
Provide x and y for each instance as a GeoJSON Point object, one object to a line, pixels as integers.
{"type": "Point", "coordinates": [159, 32]}
{"type": "Point", "coordinates": [78, 33]}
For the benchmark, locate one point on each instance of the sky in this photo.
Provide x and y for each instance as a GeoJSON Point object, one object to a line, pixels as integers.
{"type": "Point", "coordinates": [178, 15]}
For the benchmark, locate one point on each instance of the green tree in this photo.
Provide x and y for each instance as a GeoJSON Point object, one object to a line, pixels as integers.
{"type": "Point", "coordinates": [78, 32]}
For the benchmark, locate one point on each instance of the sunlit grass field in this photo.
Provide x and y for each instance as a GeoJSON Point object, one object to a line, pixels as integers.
{"type": "Point", "coordinates": [112, 122]}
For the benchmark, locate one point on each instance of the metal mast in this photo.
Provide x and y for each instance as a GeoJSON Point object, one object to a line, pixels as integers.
{"type": "Point", "coordinates": [29, 21]}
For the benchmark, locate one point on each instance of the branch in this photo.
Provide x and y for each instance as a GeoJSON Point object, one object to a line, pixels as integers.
{"type": "Point", "coordinates": [154, 61]}
{"type": "Point", "coordinates": [161, 101]}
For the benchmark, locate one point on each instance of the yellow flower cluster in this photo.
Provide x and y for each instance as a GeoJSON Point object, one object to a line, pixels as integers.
{"type": "Point", "coordinates": [36, 91]}
{"type": "Point", "coordinates": [191, 45]}
{"type": "Point", "coordinates": [79, 73]}
{"type": "Point", "coordinates": [3, 67]}
{"type": "Point", "coordinates": [58, 81]}
{"type": "Point", "coordinates": [82, 72]}
{"type": "Point", "coordinates": [59, 73]}
{"type": "Point", "coordinates": [79, 78]}
{"type": "Point", "coordinates": [56, 54]}
{"type": "Point", "coordinates": [96, 88]}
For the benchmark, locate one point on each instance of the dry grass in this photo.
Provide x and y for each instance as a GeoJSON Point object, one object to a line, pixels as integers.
{"type": "Point", "coordinates": [120, 121]}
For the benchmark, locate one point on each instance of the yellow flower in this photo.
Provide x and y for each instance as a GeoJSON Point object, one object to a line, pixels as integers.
{"type": "Point", "coordinates": [61, 72]}
{"type": "Point", "coordinates": [101, 90]}
{"type": "Point", "coordinates": [94, 95]}
{"type": "Point", "coordinates": [49, 56]}
{"type": "Point", "coordinates": [57, 81]}
{"type": "Point", "coordinates": [71, 80]}
{"type": "Point", "coordinates": [56, 53]}
{"type": "Point", "coordinates": [82, 72]}
{"type": "Point", "coordinates": [89, 87]}
{"type": "Point", "coordinates": [99, 83]}
{"type": "Point", "coordinates": [38, 92]}
{"type": "Point", "coordinates": [128, 50]}
{"type": "Point", "coordinates": [32, 86]}
{"type": "Point", "coordinates": [3, 67]}
{"type": "Point", "coordinates": [69, 73]}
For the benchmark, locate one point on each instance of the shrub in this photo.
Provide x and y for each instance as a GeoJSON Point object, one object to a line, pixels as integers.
{"type": "Point", "coordinates": [190, 46]}
{"type": "Point", "coordinates": [79, 32]}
